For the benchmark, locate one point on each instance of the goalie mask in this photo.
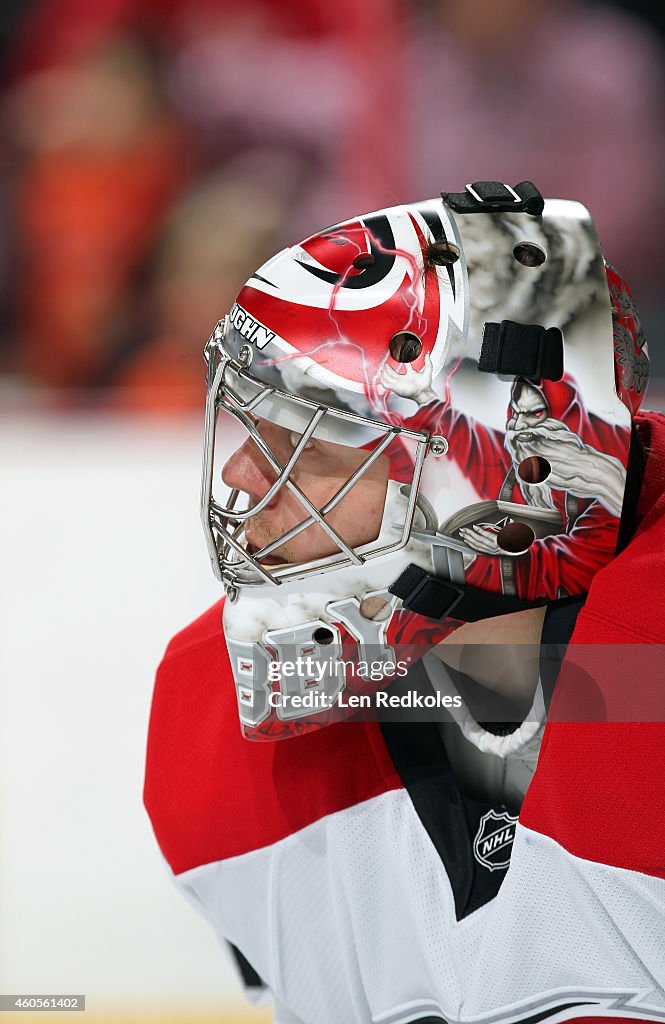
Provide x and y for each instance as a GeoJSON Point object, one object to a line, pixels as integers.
{"type": "Point", "coordinates": [431, 407]}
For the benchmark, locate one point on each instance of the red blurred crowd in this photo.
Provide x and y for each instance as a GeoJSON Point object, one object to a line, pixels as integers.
{"type": "Point", "coordinates": [157, 151]}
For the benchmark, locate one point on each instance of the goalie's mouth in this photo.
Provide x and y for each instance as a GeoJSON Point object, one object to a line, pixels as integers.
{"type": "Point", "coordinates": [273, 559]}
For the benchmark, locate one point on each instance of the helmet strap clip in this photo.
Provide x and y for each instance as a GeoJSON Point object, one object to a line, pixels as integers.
{"type": "Point", "coordinates": [525, 350]}
{"type": "Point", "coordinates": [437, 598]}
{"type": "Point", "coordinates": [495, 197]}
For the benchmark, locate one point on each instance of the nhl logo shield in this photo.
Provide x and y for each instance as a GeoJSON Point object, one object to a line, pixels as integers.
{"type": "Point", "coordinates": [494, 840]}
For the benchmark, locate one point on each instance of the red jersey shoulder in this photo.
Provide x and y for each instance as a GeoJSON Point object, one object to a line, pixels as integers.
{"type": "Point", "coordinates": [652, 497]}
{"type": "Point", "coordinates": [207, 628]}
{"type": "Point", "coordinates": [210, 793]}
{"type": "Point", "coordinates": [626, 603]}
{"type": "Point", "coordinates": [598, 787]}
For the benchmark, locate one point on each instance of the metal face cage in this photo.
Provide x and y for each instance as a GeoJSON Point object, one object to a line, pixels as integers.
{"type": "Point", "coordinates": [232, 389]}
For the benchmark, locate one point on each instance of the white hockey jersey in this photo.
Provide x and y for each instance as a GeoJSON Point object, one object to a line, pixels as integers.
{"type": "Point", "coordinates": [358, 884]}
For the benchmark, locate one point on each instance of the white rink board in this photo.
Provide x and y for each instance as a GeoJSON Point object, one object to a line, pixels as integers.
{"type": "Point", "coordinates": [103, 559]}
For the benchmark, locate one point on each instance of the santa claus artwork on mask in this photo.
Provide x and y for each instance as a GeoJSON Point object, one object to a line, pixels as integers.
{"type": "Point", "coordinates": [554, 458]}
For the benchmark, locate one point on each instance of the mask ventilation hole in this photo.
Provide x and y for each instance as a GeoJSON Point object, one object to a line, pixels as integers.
{"type": "Point", "coordinates": [515, 538]}
{"type": "Point", "coordinates": [323, 636]}
{"type": "Point", "coordinates": [534, 470]}
{"type": "Point", "coordinates": [405, 346]}
{"type": "Point", "coordinates": [364, 260]}
{"type": "Point", "coordinates": [529, 254]}
{"type": "Point", "coordinates": [442, 254]}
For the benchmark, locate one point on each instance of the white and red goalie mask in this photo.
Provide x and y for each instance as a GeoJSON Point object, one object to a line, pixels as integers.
{"type": "Point", "coordinates": [493, 362]}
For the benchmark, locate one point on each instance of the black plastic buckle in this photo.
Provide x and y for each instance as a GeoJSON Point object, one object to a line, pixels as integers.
{"type": "Point", "coordinates": [525, 350]}
{"type": "Point", "coordinates": [427, 595]}
{"type": "Point", "coordinates": [493, 193]}
{"type": "Point", "coordinates": [495, 197]}
{"type": "Point", "coordinates": [436, 598]}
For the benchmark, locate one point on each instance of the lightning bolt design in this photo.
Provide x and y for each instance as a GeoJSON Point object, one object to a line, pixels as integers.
{"type": "Point", "coordinates": [360, 312]}
{"type": "Point", "coordinates": [419, 301]}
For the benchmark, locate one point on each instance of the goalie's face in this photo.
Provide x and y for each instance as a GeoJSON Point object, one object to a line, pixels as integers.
{"type": "Point", "coordinates": [320, 471]}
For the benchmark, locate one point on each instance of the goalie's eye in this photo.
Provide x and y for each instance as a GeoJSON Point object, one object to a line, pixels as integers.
{"type": "Point", "coordinates": [295, 438]}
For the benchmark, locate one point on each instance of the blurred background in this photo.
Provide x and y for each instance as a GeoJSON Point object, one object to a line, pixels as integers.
{"type": "Point", "coordinates": [153, 153]}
